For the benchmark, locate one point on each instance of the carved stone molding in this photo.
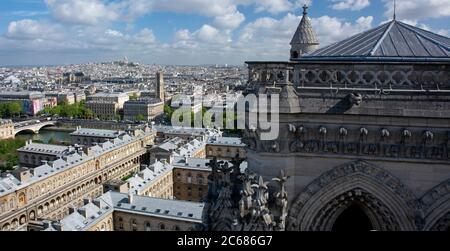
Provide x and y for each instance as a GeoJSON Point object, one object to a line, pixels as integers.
{"type": "Point", "coordinates": [436, 207]}
{"type": "Point", "coordinates": [377, 179]}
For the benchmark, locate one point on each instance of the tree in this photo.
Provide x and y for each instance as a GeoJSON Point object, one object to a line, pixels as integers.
{"type": "Point", "coordinates": [15, 108]}
{"type": "Point", "coordinates": [11, 109]}
{"type": "Point", "coordinates": [134, 97]}
{"type": "Point", "coordinates": [140, 117]}
{"type": "Point", "coordinates": [168, 111]}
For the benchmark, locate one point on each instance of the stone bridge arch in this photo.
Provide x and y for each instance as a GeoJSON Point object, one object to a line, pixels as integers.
{"type": "Point", "coordinates": [34, 129]}
{"type": "Point", "coordinates": [384, 199]}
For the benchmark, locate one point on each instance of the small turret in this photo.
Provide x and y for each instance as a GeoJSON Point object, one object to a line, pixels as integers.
{"type": "Point", "coordinates": [305, 39]}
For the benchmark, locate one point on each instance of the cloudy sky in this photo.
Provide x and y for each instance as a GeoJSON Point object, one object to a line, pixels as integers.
{"type": "Point", "coordinates": [48, 32]}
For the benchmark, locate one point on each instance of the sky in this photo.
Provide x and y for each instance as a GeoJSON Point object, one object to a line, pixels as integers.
{"type": "Point", "coordinates": [189, 32]}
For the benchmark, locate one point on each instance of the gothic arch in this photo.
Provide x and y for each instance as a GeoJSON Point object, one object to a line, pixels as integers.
{"type": "Point", "coordinates": [387, 202]}
{"type": "Point", "coordinates": [436, 207]}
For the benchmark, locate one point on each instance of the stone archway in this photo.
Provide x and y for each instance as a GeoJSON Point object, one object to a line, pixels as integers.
{"type": "Point", "coordinates": [368, 208]}
{"type": "Point", "coordinates": [353, 218]}
{"type": "Point", "coordinates": [436, 208]}
{"type": "Point", "coordinates": [387, 203]}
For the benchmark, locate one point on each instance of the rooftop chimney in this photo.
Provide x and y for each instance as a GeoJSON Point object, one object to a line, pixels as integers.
{"type": "Point", "coordinates": [86, 201]}
{"type": "Point", "coordinates": [83, 212]}
{"type": "Point", "coordinates": [130, 198]}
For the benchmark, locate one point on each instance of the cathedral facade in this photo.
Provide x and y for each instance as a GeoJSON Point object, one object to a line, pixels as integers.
{"type": "Point", "coordinates": [364, 133]}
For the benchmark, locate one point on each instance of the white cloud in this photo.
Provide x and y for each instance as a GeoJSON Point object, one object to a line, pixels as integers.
{"type": "Point", "coordinates": [28, 29]}
{"type": "Point", "coordinates": [269, 37]}
{"type": "Point", "coordinates": [418, 9]}
{"type": "Point", "coordinates": [332, 29]}
{"type": "Point", "coordinates": [230, 21]}
{"type": "Point", "coordinates": [87, 12]}
{"type": "Point", "coordinates": [274, 6]}
{"type": "Point", "coordinates": [353, 5]}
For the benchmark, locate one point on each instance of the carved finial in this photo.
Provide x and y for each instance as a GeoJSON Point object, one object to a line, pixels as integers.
{"type": "Point", "coordinates": [305, 9]}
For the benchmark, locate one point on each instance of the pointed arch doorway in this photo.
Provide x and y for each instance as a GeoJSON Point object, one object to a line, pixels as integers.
{"type": "Point", "coordinates": [353, 219]}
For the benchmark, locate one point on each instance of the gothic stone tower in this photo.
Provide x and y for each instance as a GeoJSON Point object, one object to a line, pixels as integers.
{"type": "Point", "coordinates": [364, 131]}
{"type": "Point", "coordinates": [305, 39]}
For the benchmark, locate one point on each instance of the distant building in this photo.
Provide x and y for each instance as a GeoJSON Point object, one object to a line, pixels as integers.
{"type": "Point", "coordinates": [74, 77]}
{"type": "Point", "coordinates": [105, 110]}
{"type": "Point", "coordinates": [123, 212]}
{"type": "Point", "coordinates": [186, 133]}
{"type": "Point", "coordinates": [79, 96]}
{"type": "Point", "coordinates": [6, 129]}
{"type": "Point", "coordinates": [177, 148]}
{"type": "Point", "coordinates": [155, 180]}
{"type": "Point", "coordinates": [32, 102]}
{"type": "Point", "coordinates": [90, 137]}
{"type": "Point", "coordinates": [164, 151]}
{"type": "Point", "coordinates": [190, 176]}
{"type": "Point", "coordinates": [225, 148]}
{"type": "Point", "coordinates": [147, 108]}
{"type": "Point", "coordinates": [62, 97]}
{"type": "Point", "coordinates": [33, 154]}
{"type": "Point", "coordinates": [118, 98]}
{"type": "Point", "coordinates": [50, 102]}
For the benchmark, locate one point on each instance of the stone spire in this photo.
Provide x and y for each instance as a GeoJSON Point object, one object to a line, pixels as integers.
{"type": "Point", "coordinates": [305, 39]}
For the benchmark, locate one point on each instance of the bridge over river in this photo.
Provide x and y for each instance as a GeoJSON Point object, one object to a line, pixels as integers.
{"type": "Point", "coordinates": [33, 126]}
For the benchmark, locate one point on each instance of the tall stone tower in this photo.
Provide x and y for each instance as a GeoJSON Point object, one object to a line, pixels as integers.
{"type": "Point", "coordinates": [305, 39]}
{"type": "Point", "coordinates": [160, 93]}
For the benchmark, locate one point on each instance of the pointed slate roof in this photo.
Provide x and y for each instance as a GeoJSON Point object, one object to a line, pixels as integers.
{"type": "Point", "coordinates": [305, 33]}
{"type": "Point", "coordinates": [391, 41]}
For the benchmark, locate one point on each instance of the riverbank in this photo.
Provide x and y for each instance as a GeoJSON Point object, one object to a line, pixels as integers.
{"type": "Point", "coordinates": [60, 129]}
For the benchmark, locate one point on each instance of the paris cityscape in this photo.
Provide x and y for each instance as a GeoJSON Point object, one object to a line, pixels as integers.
{"type": "Point", "coordinates": [225, 116]}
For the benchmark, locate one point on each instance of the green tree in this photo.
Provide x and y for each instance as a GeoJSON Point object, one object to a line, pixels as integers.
{"type": "Point", "coordinates": [15, 108]}
{"type": "Point", "coordinates": [168, 111]}
{"type": "Point", "coordinates": [9, 157]}
{"type": "Point", "coordinates": [11, 109]}
{"type": "Point", "coordinates": [134, 97]}
{"type": "Point", "coordinates": [140, 117]}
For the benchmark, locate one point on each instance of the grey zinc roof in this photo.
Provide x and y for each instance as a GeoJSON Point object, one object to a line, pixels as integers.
{"type": "Point", "coordinates": [87, 215]}
{"type": "Point", "coordinates": [148, 176]}
{"type": "Point", "coordinates": [192, 163]}
{"type": "Point", "coordinates": [225, 141]}
{"type": "Point", "coordinates": [96, 133]}
{"type": "Point", "coordinates": [390, 41]}
{"type": "Point", "coordinates": [155, 207]}
{"type": "Point", "coordinates": [44, 148]}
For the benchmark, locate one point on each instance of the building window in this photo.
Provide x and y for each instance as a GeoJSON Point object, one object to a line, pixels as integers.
{"type": "Point", "coordinates": [148, 226]}
{"type": "Point", "coordinates": [200, 179]}
{"type": "Point", "coordinates": [133, 225]}
{"type": "Point", "coordinates": [120, 223]}
{"type": "Point", "coordinates": [176, 228]}
{"type": "Point", "coordinates": [162, 226]}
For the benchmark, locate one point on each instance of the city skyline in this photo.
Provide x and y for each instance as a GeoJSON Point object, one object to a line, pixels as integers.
{"type": "Point", "coordinates": [196, 32]}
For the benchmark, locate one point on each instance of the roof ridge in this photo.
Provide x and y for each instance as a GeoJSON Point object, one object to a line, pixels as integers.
{"type": "Point", "coordinates": [380, 41]}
